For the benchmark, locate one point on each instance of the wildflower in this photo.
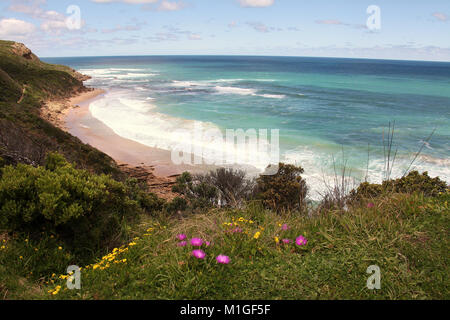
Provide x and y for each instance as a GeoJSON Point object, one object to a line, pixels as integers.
{"type": "Point", "coordinates": [286, 241]}
{"type": "Point", "coordinates": [199, 254]}
{"type": "Point", "coordinates": [277, 240]}
{"type": "Point", "coordinates": [181, 237]}
{"type": "Point", "coordinates": [182, 243]}
{"type": "Point", "coordinates": [196, 242]}
{"type": "Point", "coordinates": [370, 205]}
{"type": "Point", "coordinates": [257, 234]}
{"type": "Point", "coordinates": [223, 259]}
{"type": "Point", "coordinates": [20, 257]}
{"type": "Point", "coordinates": [284, 227]}
{"type": "Point", "coordinates": [207, 243]}
{"type": "Point", "coordinates": [132, 244]}
{"type": "Point", "coordinates": [237, 230]}
{"type": "Point", "coordinates": [59, 248]}
{"type": "Point", "coordinates": [301, 241]}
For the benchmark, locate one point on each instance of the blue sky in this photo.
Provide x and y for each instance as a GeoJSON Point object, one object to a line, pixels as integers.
{"type": "Point", "coordinates": [415, 30]}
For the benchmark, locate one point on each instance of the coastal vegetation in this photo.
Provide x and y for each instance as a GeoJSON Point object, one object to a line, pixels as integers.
{"type": "Point", "coordinates": [224, 236]}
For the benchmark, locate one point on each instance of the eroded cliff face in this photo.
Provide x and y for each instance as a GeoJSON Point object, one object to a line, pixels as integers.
{"type": "Point", "coordinates": [21, 50]}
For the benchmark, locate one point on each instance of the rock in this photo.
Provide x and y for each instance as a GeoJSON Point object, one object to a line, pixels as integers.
{"type": "Point", "coordinates": [21, 50]}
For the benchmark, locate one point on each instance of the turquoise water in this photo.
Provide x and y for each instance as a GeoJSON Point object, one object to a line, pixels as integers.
{"type": "Point", "coordinates": [324, 108]}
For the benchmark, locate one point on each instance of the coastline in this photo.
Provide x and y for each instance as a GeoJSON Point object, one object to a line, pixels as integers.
{"type": "Point", "coordinates": [151, 166]}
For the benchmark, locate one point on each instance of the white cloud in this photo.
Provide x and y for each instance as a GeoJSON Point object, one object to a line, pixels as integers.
{"type": "Point", "coordinates": [440, 16]}
{"type": "Point", "coordinates": [170, 6]}
{"type": "Point", "coordinates": [15, 27]}
{"type": "Point", "coordinates": [126, 1]}
{"type": "Point", "coordinates": [195, 36]}
{"type": "Point", "coordinates": [256, 3]}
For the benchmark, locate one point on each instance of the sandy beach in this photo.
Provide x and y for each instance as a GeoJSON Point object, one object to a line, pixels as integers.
{"type": "Point", "coordinates": [78, 121]}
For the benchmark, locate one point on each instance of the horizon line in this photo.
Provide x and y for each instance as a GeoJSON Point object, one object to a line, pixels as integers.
{"type": "Point", "coordinates": [246, 55]}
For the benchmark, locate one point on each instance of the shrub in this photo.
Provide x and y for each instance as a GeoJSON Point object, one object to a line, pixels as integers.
{"type": "Point", "coordinates": [231, 184]}
{"type": "Point", "coordinates": [147, 200]}
{"type": "Point", "coordinates": [176, 205]}
{"type": "Point", "coordinates": [85, 210]}
{"type": "Point", "coordinates": [200, 194]}
{"type": "Point", "coordinates": [413, 182]}
{"type": "Point", "coordinates": [286, 190]}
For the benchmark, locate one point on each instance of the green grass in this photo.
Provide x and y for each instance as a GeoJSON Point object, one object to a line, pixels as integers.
{"type": "Point", "coordinates": [405, 235]}
{"type": "Point", "coordinates": [24, 134]}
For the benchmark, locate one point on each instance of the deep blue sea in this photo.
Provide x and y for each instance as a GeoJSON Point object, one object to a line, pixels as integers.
{"type": "Point", "coordinates": [328, 111]}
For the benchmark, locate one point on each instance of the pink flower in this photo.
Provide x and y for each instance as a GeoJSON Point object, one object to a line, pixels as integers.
{"type": "Point", "coordinates": [223, 259]}
{"type": "Point", "coordinates": [207, 243]}
{"type": "Point", "coordinates": [181, 237]}
{"type": "Point", "coordinates": [286, 241]}
{"type": "Point", "coordinates": [370, 205]}
{"type": "Point", "coordinates": [301, 241]}
{"type": "Point", "coordinates": [182, 243]}
{"type": "Point", "coordinates": [196, 242]}
{"type": "Point", "coordinates": [237, 229]}
{"type": "Point", "coordinates": [284, 227]}
{"type": "Point", "coordinates": [199, 254]}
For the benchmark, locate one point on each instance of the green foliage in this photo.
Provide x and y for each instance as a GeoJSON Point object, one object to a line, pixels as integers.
{"type": "Point", "coordinates": [200, 194]}
{"type": "Point", "coordinates": [86, 210]}
{"type": "Point", "coordinates": [147, 200]}
{"type": "Point", "coordinates": [284, 191]}
{"type": "Point", "coordinates": [176, 205]}
{"type": "Point", "coordinates": [413, 182]}
{"type": "Point", "coordinates": [405, 235]}
{"type": "Point", "coordinates": [232, 185]}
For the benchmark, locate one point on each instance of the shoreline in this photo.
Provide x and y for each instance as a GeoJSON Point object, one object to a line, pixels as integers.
{"type": "Point", "coordinates": [149, 165]}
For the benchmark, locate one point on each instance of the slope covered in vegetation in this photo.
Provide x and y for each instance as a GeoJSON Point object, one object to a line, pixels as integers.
{"type": "Point", "coordinates": [25, 83]}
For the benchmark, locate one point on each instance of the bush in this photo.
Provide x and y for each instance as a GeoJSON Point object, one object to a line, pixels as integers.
{"type": "Point", "coordinates": [176, 205]}
{"type": "Point", "coordinates": [147, 200]}
{"type": "Point", "coordinates": [201, 195]}
{"type": "Point", "coordinates": [286, 190]}
{"type": "Point", "coordinates": [231, 184]}
{"type": "Point", "coordinates": [85, 210]}
{"type": "Point", "coordinates": [412, 183]}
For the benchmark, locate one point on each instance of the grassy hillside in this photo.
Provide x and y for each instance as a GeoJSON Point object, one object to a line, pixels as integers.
{"type": "Point", "coordinates": [25, 83]}
{"type": "Point", "coordinates": [405, 235]}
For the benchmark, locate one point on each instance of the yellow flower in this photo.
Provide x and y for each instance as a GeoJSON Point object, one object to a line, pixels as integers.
{"type": "Point", "coordinates": [277, 240]}
{"type": "Point", "coordinates": [132, 244]}
{"type": "Point", "coordinates": [59, 248]}
{"type": "Point", "coordinates": [20, 257]}
{"type": "Point", "coordinates": [257, 234]}
{"type": "Point", "coordinates": [250, 221]}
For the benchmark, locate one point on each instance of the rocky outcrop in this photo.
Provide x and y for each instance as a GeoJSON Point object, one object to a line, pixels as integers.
{"type": "Point", "coordinates": [21, 50]}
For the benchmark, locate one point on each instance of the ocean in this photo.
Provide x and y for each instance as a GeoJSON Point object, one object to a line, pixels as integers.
{"type": "Point", "coordinates": [330, 112]}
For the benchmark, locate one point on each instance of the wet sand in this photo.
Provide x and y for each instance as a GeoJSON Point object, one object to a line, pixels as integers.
{"type": "Point", "coordinates": [79, 122]}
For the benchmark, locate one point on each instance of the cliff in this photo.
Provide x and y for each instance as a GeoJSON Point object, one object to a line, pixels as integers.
{"type": "Point", "coordinates": [26, 83]}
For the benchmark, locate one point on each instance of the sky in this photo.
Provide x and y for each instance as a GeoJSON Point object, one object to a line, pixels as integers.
{"type": "Point", "coordinates": [400, 29]}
